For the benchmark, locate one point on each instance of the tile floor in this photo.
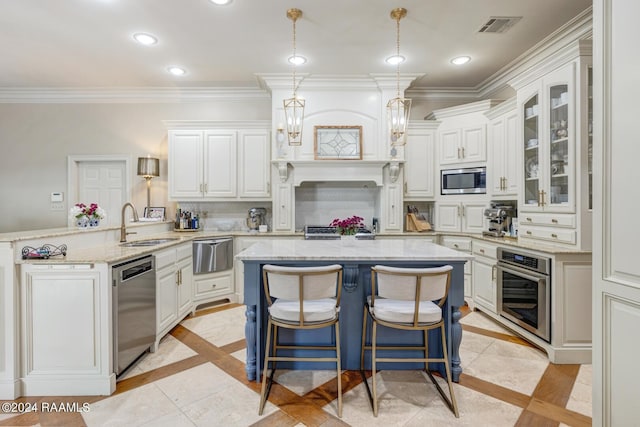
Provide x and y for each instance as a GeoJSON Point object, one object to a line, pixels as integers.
{"type": "Point", "coordinates": [197, 378]}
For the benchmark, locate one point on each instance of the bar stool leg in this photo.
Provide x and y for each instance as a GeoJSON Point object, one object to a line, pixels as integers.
{"type": "Point", "coordinates": [374, 327]}
{"type": "Point", "coordinates": [448, 371]}
{"type": "Point", "coordinates": [265, 368]}
{"type": "Point", "coordinates": [339, 369]}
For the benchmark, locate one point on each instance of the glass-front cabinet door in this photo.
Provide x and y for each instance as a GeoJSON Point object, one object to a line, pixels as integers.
{"type": "Point", "coordinates": [532, 155]}
{"type": "Point", "coordinates": [558, 166]}
{"type": "Point", "coordinates": [548, 113]}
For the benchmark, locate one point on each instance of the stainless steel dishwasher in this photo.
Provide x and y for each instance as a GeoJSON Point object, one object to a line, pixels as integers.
{"type": "Point", "coordinates": [212, 255]}
{"type": "Point", "coordinates": [134, 310]}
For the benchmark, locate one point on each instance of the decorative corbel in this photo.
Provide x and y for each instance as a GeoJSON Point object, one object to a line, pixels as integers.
{"type": "Point", "coordinates": [394, 170]}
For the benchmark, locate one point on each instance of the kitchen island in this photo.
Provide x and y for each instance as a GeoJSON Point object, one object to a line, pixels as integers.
{"type": "Point", "coordinates": [357, 258]}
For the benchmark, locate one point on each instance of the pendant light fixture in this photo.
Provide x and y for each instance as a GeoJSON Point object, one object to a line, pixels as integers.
{"type": "Point", "coordinates": [398, 109]}
{"type": "Point", "coordinates": [294, 107]}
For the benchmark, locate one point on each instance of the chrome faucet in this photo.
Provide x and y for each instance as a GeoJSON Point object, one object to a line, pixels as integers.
{"type": "Point", "coordinates": [123, 228]}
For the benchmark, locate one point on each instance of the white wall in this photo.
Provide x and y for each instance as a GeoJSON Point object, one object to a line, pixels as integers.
{"type": "Point", "coordinates": [37, 138]}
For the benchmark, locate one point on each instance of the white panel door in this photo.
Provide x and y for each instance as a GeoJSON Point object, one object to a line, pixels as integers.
{"type": "Point", "coordinates": [495, 166]}
{"type": "Point", "coordinates": [616, 271]}
{"type": "Point", "coordinates": [102, 183]}
{"type": "Point", "coordinates": [473, 220]}
{"type": "Point", "coordinates": [185, 164]}
{"type": "Point", "coordinates": [419, 169]}
{"type": "Point", "coordinates": [511, 161]}
{"type": "Point", "coordinates": [220, 164]}
{"type": "Point", "coordinates": [254, 167]}
{"type": "Point", "coordinates": [449, 144]}
{"type": "Point", "coordinates": [448, 216]}
{"type": "Point", "coordinates": [474, 144]}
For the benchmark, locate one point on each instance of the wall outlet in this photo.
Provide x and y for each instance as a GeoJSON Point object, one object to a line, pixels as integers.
{"type": "Point", "coordinates": [57, 206]}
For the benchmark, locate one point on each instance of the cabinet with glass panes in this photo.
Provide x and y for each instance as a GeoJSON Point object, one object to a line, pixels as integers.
{"type": "Point", "coordinates": [555, 154]}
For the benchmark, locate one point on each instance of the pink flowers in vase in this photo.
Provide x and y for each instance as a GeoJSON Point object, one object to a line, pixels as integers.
{"type": "Point", "coordinates": [348, 226]}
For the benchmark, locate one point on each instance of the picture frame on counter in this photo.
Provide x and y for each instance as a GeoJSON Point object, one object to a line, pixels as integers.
{"type": "Point", "coordinates": [337, 142]}
{"type": "Point", "coordinates": [157, 213]}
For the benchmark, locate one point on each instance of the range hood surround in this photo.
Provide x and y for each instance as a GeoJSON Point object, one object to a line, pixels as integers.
{"type": "Point", "coordinates": [337, 171]}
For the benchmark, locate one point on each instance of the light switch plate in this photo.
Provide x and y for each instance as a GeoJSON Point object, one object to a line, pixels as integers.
{"type": "Point", "coordinates": [57, 206]}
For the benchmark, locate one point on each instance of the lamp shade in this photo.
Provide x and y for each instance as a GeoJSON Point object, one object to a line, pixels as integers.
{"type": "Point", "coordinates": [148, 166]}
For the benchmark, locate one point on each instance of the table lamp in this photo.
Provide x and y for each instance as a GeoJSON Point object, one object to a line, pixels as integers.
{"type": "Point", "coordinates": [148, 167]}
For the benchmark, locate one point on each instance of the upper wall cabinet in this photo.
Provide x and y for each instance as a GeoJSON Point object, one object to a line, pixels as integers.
{"type": "Point", "coordinates": [419, 166]}
{"type": "Point", "coordinates": [502, 161]}
{"type": "Point", "coordinates": [462, 136]}
{"type": "Point", "coordinates": [553, 141]}
{"type": "Point", "coordinates": [219, 164]}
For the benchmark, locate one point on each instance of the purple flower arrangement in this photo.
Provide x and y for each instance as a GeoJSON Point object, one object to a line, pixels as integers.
{"type": "Point", "coordinates": [348, 226]}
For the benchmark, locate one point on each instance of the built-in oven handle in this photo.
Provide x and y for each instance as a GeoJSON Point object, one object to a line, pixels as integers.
{"type": "Point", "coordinates": [522, 272]}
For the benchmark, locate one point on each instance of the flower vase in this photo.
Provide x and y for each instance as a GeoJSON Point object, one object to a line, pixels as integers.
{"type": "Point", "coordinates": [82, 222]}
{"type": "Point", "coordinates": [94, 222]}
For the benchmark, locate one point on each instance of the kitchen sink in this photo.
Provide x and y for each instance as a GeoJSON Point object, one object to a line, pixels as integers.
{"type": "Point", "coordinates": [149, 242]}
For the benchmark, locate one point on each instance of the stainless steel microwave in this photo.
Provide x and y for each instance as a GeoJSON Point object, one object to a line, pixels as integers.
{"type": "Point", "coordinates": [463, 181]}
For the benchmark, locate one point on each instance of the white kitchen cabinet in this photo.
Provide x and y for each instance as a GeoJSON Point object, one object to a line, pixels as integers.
{"type": "Point", "coordinates": [174, 287]}
{"type": "Point", "coordinates": [283, 209]}
{"type": "Point", "coordinates": [224, 162]}
{"type": "Point", "coordinates": [459, 216]}
{"type": "Point", "coordinates": [392, 219]}
{"type": "Point", "coordinates": [66, 330]}
{"type": "Point", "coordinates": [463, 145]}
{"type": "Point", "coordinates": [253, 164]}
{"type": "Point", "coordinates": [419, 165]}
{"type": "Point", "coordinates": [502, 162]}
{"type": "Point", "coordinates": [553, 152]}
{"type": "Point", "coordinates": [485, 275]}
{"type": "Point", "coordinates": [213, 286]}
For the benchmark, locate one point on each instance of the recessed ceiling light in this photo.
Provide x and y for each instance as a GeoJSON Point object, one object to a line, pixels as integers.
{"type": "Point", "coordinates": [145, 39]}
{"type": "Point", "coordinates": [460, 60]}
{"type": "Point", "coordinates": [220, 2]}
{"type": "Point", "coordinates": [297, 60]}
{"type": "Point", "coordinates": [177, 71]}
{"type": "Point", "coordinates": [395, 59]}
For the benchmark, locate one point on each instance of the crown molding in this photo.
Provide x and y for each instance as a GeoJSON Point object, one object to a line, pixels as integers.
{"type": "Point", "coordinates": [216, 124]}
{"type": "Point", "coordinates": [351, 82]}
{"type": "Point", "coordinates": [473, 107]}
{"type": "Point", "coordinates": [102, 95]}
{"type": "Point", "coordinates": [502, 108]}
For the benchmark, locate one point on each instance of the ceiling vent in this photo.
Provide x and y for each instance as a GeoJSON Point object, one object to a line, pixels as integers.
{"type": "Point", "coordinates": [499, 24]}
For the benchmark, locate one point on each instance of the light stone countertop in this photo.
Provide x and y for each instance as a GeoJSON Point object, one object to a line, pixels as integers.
{"type": "Point", "coordinates": [383, 249]}
{"type": "Point", "coordinates": [113, 252]}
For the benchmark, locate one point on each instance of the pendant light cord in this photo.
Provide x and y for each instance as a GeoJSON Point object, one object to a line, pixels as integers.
{"type": "Point", "coordinates": [398, 56]}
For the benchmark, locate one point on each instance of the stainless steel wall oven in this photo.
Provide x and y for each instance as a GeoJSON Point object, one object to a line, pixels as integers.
{"type": "Point", "coordinates": [524, 290]}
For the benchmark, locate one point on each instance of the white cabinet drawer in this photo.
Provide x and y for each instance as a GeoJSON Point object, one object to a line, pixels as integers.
{"type": "Point", "coordinates": [549, 234]}
{"type": "Point", "coordinates": [211, 285]}
{"type": "Point", "coordinates": [553, 220]}
{"type": "Point", "coordinates": [165, 258]}
{"type": "Point", "coordinates": [457, 243]}
{"type": "Point", "coordinates": [184, 251]}
{"type": "Point", "coordinates": [485, 249]}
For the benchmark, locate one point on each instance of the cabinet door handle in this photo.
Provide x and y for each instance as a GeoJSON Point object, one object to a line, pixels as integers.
{"type": "Point", "coordinates": [405, 187]}
{"type": "Point", "coordinates": [494, 268]}
{"type": "Point", "coordinates": [213, 286]}
{"type": "Point", "coordinates": [178, 278]}
{"type": "Point", "coordinates": [201, 189]}
{"type": "Point", "coordinates": [458, 210]}
{"type": "Point", "coordinates": [481, 251]}
{"type": "Point", "coordinates": [455, 245]}
{"type": "Point", "coordinates": [529, 232]}
{"type": "Point", "coordinates": [463, 152]}
{"type": "Point", "coordinates": [553, 220]}
{"type": "Point", "coordinates": [206, 188]}
{"type": "Point", "coordinates": [555, 236]}
{"type": "Point", "coordinates": [529, 219]}
{"type": "Point", "coordinates": [463, 209]}
{"type": "Point", "coordinates": [542, 193]}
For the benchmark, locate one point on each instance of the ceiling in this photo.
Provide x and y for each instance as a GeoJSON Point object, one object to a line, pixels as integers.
{"type": "Point", "coordinates": [88, 43]}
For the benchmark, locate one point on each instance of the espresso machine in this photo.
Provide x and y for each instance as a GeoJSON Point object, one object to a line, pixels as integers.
{"type": "Point", "coordinates": [255, 218]}
{"type": "Point", "coordinates": [499, 218]}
